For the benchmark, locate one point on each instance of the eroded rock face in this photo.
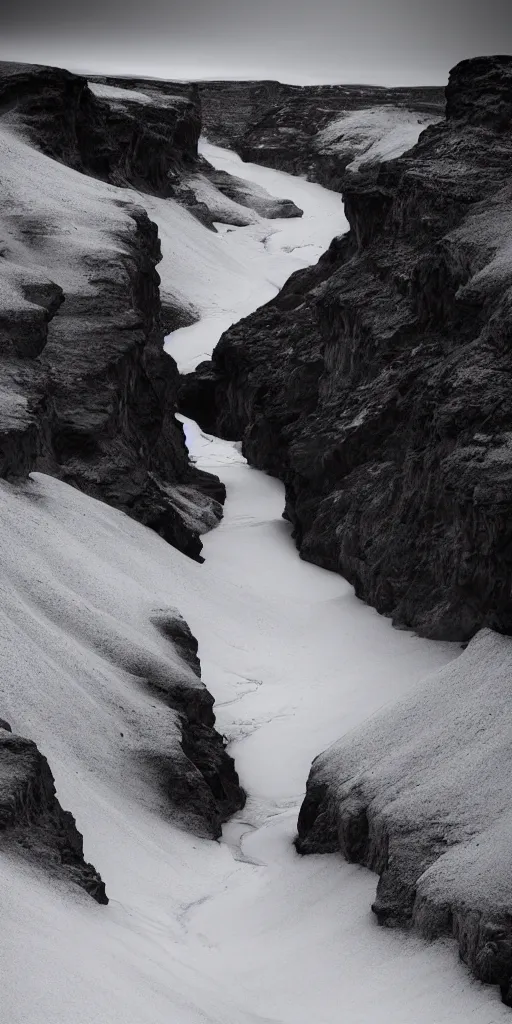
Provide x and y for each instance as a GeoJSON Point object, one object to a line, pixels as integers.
{"type": "Point", "coordinates": [375, 385]}
{"type": "Point", "coordinates": [32, 822]}
{"type": "Point", "coordinates": [252, 196]}
{"type": "Point", "coordinates": [87, 391]}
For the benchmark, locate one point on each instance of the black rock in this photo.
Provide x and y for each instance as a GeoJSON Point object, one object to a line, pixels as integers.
{"type": "Point", "coordinates": [32, 822]}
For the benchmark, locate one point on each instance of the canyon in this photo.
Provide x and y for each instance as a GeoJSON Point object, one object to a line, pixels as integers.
{"type": "Point", "coordinates": [355, 407]}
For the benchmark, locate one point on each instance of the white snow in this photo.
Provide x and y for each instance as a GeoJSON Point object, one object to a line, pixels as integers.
{"type": "Point", "coordinates": [220, 206]}
{"type": "Point", "coordinates": [374, 134]}
{"type": "Point", "coordinates": [55, 221]}
{"type": "Point", "coordinates": [446, 748]}
{"type": "Point", "coordinates": [224, 277]}
{"type": "Point", "coordinates": [238, 932]}
{"type": "Point", "coordinates": [114, 92]}
{"type": "Point", "coordinates": [118, 95]}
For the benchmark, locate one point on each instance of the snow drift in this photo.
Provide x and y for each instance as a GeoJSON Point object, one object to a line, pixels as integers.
{"type": "Point", "coordinates": [421, 794]}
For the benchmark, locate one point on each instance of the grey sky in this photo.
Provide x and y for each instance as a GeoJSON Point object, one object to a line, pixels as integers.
{"type": "Point", "coordinates": [381, 41]}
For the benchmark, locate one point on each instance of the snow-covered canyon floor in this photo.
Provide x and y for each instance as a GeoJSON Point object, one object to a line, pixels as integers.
{"type": "Point", "coordinates": [245, 930]}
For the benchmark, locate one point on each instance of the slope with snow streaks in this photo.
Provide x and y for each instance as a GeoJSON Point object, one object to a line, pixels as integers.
{"type": "Point", "coordinates": [421, 794]}
{"type": "Point", "coordinates": [33, 825]}
{"type": "Point", "coordinates": [243, 931]}
{"type": "Point", "coordinates": [87, 651]}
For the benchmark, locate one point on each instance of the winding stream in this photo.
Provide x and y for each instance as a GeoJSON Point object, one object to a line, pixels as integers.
{"type": "Point", "coordinates": [294, 660]}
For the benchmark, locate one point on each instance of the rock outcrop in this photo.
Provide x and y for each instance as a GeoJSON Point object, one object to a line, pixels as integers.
{"type": "Point", "coordinates": [32, 822]}
{"type": "Point", "coordinates": [418, 795]}
{"type": "Point", "coordinates": [87, 391]}
{"type": "Point", "coordinates": [375, 385]}
{"type": "Point", "coordinates": [107, 683]}
{"type": "Point", "coordinates": [202, 784]}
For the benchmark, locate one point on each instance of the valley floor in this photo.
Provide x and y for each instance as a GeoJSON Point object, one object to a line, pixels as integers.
{"type": "Point", "coordinates": [245, 930]}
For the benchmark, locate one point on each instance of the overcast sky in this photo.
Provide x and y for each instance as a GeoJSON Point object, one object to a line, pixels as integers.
{"type": "Point", "coordinates": [375, 41]}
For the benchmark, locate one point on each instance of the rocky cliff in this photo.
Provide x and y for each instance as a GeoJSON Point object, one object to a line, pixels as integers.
{"type": "Point", "coordinates": [140, 138]}
{"type": "Point", "coordinates": [200, 781]}
{"type": "Point", "coordinates": [88, 393]}
{"type": "Point", "coordinates": [375, 385]}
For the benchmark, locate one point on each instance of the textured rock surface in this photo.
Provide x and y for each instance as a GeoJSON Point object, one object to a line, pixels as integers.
{"type": "Point", "coordinates": [243, 193]}
{"type": "Point", "coordinates": [419, 796]}
{"type": "Point", "coordinates": [280, 125]}
{"type": "Point", "coordinates": [119, 140]}
{"type": "Point", "coordinates": [148, 134]}
{"type": "Point", "coordinates": [376, 384]}
{"type": "Point", "coordinates": [32, 822]}
{"type": "Point", "coordinates": [87, 391]}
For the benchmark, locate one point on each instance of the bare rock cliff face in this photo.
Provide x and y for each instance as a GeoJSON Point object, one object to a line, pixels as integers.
{"type": "Point", "coordinates": [376, 384]}
{"type": "Point", "coordinates": [202, 784]}
{"type": "Point", "coordinates": [87, 391]}
{"type": "Point", "coordinates": [124, 142]}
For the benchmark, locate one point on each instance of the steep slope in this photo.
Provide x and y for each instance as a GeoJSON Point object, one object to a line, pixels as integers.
{"type": "Point", "coordinates": [421, 795]}
{"type": "Point", "coordinates": [100, 668]}
{"type": "Point", "coordinates": [152, 128]}
{"type": "Point", "coordinates": [104, 132]}
{"type": "Point", "coordinates": [234, 932]}
{"type": "Point", "coordinates": [376, 384]}
{"type": "Point", "coordinates": [32, 822]}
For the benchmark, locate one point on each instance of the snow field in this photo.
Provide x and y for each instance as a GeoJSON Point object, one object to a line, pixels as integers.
{"type": "Point", "coordinates": [375, 134]}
